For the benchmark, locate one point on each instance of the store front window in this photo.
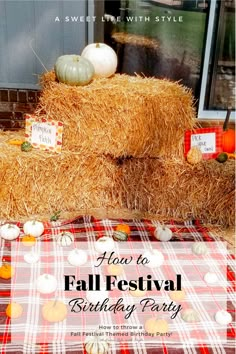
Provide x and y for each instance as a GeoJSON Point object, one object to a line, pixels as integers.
{"type": "Point", "coordinates": [168, 39]}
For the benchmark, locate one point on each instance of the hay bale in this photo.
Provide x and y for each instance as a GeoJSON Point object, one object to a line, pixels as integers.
{"type": "Point", "coordinates": [120, 116]}
{"type": "Point", "coordinates": [175, 189]}
{"type": "Point", "coordinates": [39, 183]}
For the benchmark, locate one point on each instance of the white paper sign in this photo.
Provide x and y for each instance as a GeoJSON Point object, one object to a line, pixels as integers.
{"type": "Point", "coordinates": [43, 133]}
{"type": "Point", "coordinates": [206, 142]}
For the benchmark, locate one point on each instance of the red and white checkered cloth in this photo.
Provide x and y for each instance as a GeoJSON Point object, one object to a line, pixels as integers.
{"type": "Point", "coordinates": [88, 229]}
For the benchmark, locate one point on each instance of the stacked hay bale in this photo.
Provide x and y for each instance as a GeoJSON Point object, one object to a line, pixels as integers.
{"type": "Point", "coordinates": [122, 148]}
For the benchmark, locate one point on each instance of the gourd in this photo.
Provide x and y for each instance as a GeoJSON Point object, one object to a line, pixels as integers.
{"type": "Point", "coordinates": [77, 257]}
{"type": "Point", "coordinates": [14, 310]}
{"type": "Point", "coordinates": [96, 344]}
{"type": "Point", "coordinates": [194, 155]}
{"type": "Point", "coordinates": [26, 146]}
{"type": "Point", "coordinates": [177, 295]}
{"type": "Point", "coordinates": [163, 233]}
{"type": "Point", "coordinates": [9, 232]}
{"type": "Point", "coordinates": [65, 239]}
{"type": "Point", "coordinates": [103, 58]}
{"type": "Point", "coordinates": [223, 317]}
{"type": "Point", "coordinates": [154, 257]}
{"type": "Point", "coordinates": [120, 236]}
{"type": "Point", "coordinates": [6, 271]}
{"type": "Point", "coordinates": [154, 325]}
{"type": "Point", "coordinates": [190, 316]}
{"type": "Point", "coordinates": [54, 311]}
{"type": "Point", "coordinates": [74, 70]}
{"type": "Point", "coordinates": [222, 157]}
{"type": "Point", "coordinates": [104, 244]}
{"type": "Point", "coordinates": [31, 257]}
{"type": "Point", "coordinates": [46, 284]}
{"type": "Point", "coordinates": [228, 137]}
{"type": "Point", "coordinates": [199, 248]}
{"type": "Point", "coordinates": [28, 240]}
{"type": "Point", "coordinates": [33, 227]}
{"type": "Point", "coordinates": [17, 142]}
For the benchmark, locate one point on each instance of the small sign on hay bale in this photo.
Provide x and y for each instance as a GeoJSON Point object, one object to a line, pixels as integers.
{"type": "Point", "coordinates": [120, 116]}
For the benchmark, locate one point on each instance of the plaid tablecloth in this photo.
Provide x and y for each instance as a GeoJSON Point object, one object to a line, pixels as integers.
{"type": "Point", "coordinates": [88, 229]}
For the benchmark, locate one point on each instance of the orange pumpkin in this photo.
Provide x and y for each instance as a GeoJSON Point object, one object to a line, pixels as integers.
{"type": "Point", "coordinates": [54, 311]}
{"type": "Point", "coordinates": [6, 271]}
{"type": "Point", "coordinates": [154, 326]}
{"type": "Point", "coordinates": [228, 137]}
{"type": "Point", "coordinates": [124, 228]}
{"type": "Point", "coordinates": [28, 240]}
{"type": "Point", "coordinates": [14, 310]}
{"type": "Point", "coordinates": [228, 141]}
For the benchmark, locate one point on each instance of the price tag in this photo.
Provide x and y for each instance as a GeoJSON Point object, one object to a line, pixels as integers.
{"type": "Point", "coordinates": [43, 134]}
{"type": "Point", "coordinates": [209, 140]}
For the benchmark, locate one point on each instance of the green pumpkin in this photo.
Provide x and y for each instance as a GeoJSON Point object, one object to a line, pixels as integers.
{"type": "Point", "coordinates": [120, 236]}
{"type": "Point", "coordinates": [26, 146]}
{"type": "Point", "coordinates": [74, 70]}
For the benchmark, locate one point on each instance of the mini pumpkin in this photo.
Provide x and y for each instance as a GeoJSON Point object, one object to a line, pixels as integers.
{"type": "Point", "coordinates": [31, 257]}
{"type": "Point", "coordinates": [6, 271]}
{"type": "Point", "coordinates": [74, 70]}
{"type": "Point", "coordinates": [115, 269]}
{"type": "Point", "coordinates": [163, 233]}
{"type": "Point", "coordinates": [124, 228]}
{"type": "Point", "coordinates": [199, 248]}
{"type": "Point", "coordinates": [190, 315]}
{"type": "Point", "coordinates": [94, 296]}
{"type": "Point", "coordinates": [137, 293]}
{"type": "Point", "coordinates": [120, 236]}
{"type": "Point", "coordinates": [223, 317]}
{"type": "Point", "coordinates": [194, 155]}
{"type": "Point", "coordinates": [154, 325]}
{"type": "Point", "coordinates": [228, 137]}
{"type": "Point", "coordinates": [28, 240]}
{"type": "Point", "coordinates": [155, 258]}
{"type": "Point", "coordinates": [65, 239]}
{"type": "Point", "coordinates": [54, 311]}
{"type": "Point", "coordinates": [77, 257]}
{"type": "Point", "coordinates": [14, 310]}
{"type": "Point", "coordinates": [26, 146]}
{"type": "Point", "coordinates": [33, 227]}
{"type": "Point", "coordinates": [103, 58]}
{"type": "Point", "coordinates": [9, 232]}
{"type": "Point", "coordinates": [46, 284]}
{"type": "Point", "coordinates": [177, 295]}
{"type": "Point", "coordinates": [104, 244]}
{"type": "Point", "coordinates": [96, 344]}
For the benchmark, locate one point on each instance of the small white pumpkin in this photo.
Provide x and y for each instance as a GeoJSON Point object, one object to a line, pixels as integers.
{"type": "Point", "coordinates": [190, 315]}
{"type": "Point", "coordinates": [104, 244]}
{"type": "Point", "coordinates": [31, 257]}
{"type": "Point", "coordinates": [163, 233]}
{"type": "Point", "coordinates": [96, 344]}
{"type": "Point", "coordinates": [77, 257]}
{"type": "Point", "coordinates": [65, 239]}
{"type": "Point", "coordinates": [94, 296]}
{"type": "Point", "coordinates": [223, 317]}
{"type": "Point", "coordinates": [199, 248]}
{"type": "Point", "coordinates": [155, 257]}
{"type": "Point", "coordinates": [9, 232]}
{"type": "Point", "coordinates": [33, 227]}
{"type": "Point", "coordinates": [103, 58]}
{"type": "Point", "coordinates": [46, 284]}
{"type": "Point", "coordinates": [210, 278]}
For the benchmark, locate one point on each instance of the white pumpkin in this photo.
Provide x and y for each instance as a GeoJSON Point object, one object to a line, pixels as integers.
{"type": "Point", "coordinates": [46, 284]}
{"type": "Point", "coordinates": [31, 257]}
{"type": "Point", "coordinates": [94, 296]}
{"type": "Point", "coordinates": [65, 239]}
{"type": "Point", "coordinates": [9, 232]}
{"type": "Point", "coordinates": [155, 257]}
{"type": "Point", "coordinates": [223, 317]}
{"type": "Point", "coordinates": [163, 233]}
{"type": "Point", "coordinates": [96, 344]}
{"type": "Point", "coordinates": [104, 244]}
{"type": "Point", "coordinates": [77, 257]}
{"type": "Point", "coordinates": [190, 315]}
{"type": "Point", "coordinates": [103, 58]}
{"type": "Point", "coordinates": [34, 228]}
{"type": "Point", "coordinates": [210, 278]}
{"type": "Point", "coordinates": [199, 248]}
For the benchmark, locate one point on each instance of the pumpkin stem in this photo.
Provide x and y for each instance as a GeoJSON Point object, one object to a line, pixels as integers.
{"type": "Point", "coordinates": [97, 45]}
{"type": "Point", "coordinates": [225, 126]}
{"type": "Point", "coordinates": [55, 302]}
